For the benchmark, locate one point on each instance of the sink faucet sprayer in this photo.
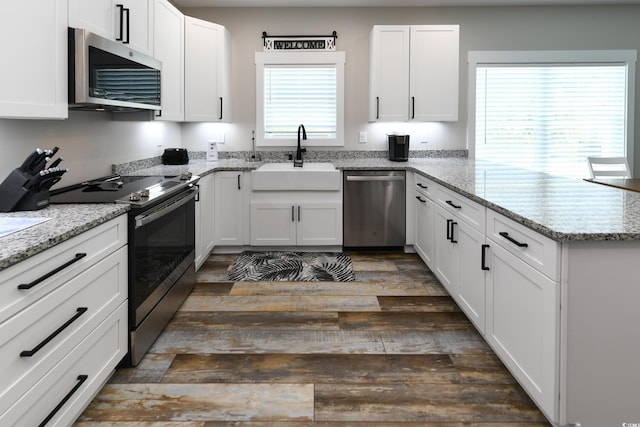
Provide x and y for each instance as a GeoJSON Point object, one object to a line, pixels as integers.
{"type": "Point", "coordinates": [297, 162]}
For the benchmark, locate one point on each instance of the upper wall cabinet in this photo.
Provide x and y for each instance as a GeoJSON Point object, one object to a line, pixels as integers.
{"type": "Point", "coordinates": [207, 62]}
{"type": "Point", "coordinates": [127, 21]}
{"type": "Point", "coordinates": [414, 73]}
{"type": "Point", "coordinates": [33, 78]}
{"type": "Point", "coordinates": [168, 47]}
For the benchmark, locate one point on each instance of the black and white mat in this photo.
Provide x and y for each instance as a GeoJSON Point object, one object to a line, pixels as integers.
{"type": "Point", "coordinates": [292, 267]}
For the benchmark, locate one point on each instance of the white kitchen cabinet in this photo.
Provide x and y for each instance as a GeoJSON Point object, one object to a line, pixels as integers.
{"type": "Point", "coordinates": [207, 63]}
{"type": "Point", "coordinates": [522, 325]}
{"type": "Point", "coordinates": [447, 258]}
{"type": "Point", "coordinates": [424, 220]}
{"type": "Point", "coordinates": [231, 216]}
{"type": "Point", "coordinates": [63, 326]}
{"type": "Point", "coordinates": [126, 21]}
{"type": "Point", "coordinates": [414, 73]}
{"type": "Point", "coordinates": [168, 47]}
{"type": "Point", "coordinates": [296, 223]}
{"type": "Point", "coordinates": [33, 78]}
{"type": "Point", "coordinates": [204, 220]}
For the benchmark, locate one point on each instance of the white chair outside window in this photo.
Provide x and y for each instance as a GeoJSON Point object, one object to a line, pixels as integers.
{"type": "Point", "coordinates": [608, 167]}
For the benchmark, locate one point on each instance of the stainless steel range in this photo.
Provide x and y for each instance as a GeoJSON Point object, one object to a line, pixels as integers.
{"type": "Point", "coordinates": [161, 231]}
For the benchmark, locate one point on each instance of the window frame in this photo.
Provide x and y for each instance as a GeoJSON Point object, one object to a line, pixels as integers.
{"type": "Point", "coordinates": [626, 57]}
{"type": "Point", "coordinates": [263, 59]}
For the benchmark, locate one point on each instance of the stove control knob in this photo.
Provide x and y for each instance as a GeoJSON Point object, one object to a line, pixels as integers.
{"type": "Point", "coordinates": [144, 193]}
{"type": "Point", "coordinates": [135, 197]}
{"type": "Point", "coordinates": [186, 176]}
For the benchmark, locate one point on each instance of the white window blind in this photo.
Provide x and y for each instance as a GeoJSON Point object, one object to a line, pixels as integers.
{"type": "Point", "coordinates": [300, 94]}
{"type": "Point", "coordinates": [550, 117]}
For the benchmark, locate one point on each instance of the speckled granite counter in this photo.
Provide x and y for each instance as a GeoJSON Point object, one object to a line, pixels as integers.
{"type": "Point", "coordinates": [66, 222]}
{"type": "Point", "coordinates": [560, 208]}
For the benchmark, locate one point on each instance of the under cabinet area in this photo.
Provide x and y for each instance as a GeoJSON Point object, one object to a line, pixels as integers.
{"type": "Point", "coordinates": [63, 326]}
{"type": "Point", "coordinates": [413, 73]}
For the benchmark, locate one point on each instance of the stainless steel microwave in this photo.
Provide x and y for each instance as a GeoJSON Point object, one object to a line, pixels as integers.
{"type": "Point", "coordinates": [108, 75]}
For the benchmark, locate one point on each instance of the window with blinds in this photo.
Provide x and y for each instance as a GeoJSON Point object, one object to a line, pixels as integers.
{"type": "Point", "coordinates": [550, 116]}
{"type": "Point", "coordinates": [294, 88]}
{"type": "Point", "coordinates": [295, 95]}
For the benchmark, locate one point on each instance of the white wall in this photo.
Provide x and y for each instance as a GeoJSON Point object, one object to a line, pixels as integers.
{"type": "Point", "coordinates": [481, 28]}
{"type": "Point", "coordinates": [90, 142]}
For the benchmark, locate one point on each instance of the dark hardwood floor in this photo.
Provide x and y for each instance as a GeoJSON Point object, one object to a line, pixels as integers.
{"type": "Point", "coordinates": [391, 349]}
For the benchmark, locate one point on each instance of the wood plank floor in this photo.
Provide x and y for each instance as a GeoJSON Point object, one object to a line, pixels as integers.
{"type": "Point", "coordinates": [391, 349]}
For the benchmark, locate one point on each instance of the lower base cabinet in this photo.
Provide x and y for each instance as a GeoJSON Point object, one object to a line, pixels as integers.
{"type": "Point", "coordinates": [204, 220]}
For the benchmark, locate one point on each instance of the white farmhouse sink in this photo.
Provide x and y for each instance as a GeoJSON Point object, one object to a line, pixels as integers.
{"type": "Point", "coordinates": [284, 176]}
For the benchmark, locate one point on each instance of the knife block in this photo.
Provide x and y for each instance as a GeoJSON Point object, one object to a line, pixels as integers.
{"type": "Point", "coordinates": [15, 197]}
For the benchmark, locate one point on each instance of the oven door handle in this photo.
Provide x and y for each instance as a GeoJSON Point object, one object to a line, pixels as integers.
{"type": "Point", "coordinates": [165, 208]}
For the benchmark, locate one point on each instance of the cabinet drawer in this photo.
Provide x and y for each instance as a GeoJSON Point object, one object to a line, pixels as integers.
{"type": "Point", "coordinates": [95, 357]}
{"type": "Point", "coordinates": [465, 209]}
{"type": "Point", "coordinates": [538, 251]}
{"type": "Point", "coordinates": [95, 244]}
{"type": "Point", "coordinates": [426, 187]}
{"type": "Point", "coordinates": [37, 338]}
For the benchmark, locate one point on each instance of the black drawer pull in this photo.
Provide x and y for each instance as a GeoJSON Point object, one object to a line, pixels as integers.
{"type": "Point", "coordinates": [40, 279]}
{"type": "Point", "coordinates": [449, 221]}
{"type": "Point", "coordinates": [421, 199]}
{"type": "Point", "coordinates": [453, 224]}
{"type": "Point", "coordinates": [512, 240]}
{"type": "Point", "coordinates": [28, 353]}
{"type": "Point", "coordinates": [81, 379]}
{"type": "Point", "coordinates": [421, 185]}
{"type": "Point", "coordinates": [483, 261]}
{"type": "Point", "coordinates": [450, 203]}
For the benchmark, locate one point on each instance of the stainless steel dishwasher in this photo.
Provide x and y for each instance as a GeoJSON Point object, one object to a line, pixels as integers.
{"type": "Point", "coordinates": [374, 208]}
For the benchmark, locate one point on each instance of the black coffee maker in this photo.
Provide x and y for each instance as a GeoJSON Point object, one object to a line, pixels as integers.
{"type": "Point", "coordinates": [398, 147]}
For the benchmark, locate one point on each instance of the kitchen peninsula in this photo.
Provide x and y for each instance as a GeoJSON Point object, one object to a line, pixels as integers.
{"type": "Point", "coordinates": [557, 263]}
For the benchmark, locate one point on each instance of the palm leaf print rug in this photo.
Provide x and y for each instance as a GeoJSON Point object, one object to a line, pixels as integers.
{"type": "Point", "coordinates": [292, 267]}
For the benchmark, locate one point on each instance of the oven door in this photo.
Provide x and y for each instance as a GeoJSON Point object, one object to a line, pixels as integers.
{"type": "Point", "coordinates": [161, 249]}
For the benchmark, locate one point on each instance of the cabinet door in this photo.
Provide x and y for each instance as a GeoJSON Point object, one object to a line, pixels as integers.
{"type": "Point", "coordinates": [389, 73]}
{"type": "Point", "coordinates": [447, 260]}
{"type": "Point", "coordinates": [33, 78]}
{"type": "Point", "coordinates": [204, 220]}
{"type": "Point", "coordinates": [319, 224]}
{"type": "Point", "coordinates": [434, 72]}
{"type": "Point", "coordinates": [522, 314]}
{"type": "Point", "coordinates": [273, 224]}
{"type": "Point", "coordinates": [138, 25]}
{"type": "Point", "coordinates": [471, 283]}
{"type": "Point", "coordinates": [229, 208]}
{"type": "Point", "coordinates": [206, 88]}
{"type": "Point", "coordinates": [97, 16]}
{"type": "Point", "coordinates": [424, 208]}
{"type": "Point", "coordinates": [168, 47]}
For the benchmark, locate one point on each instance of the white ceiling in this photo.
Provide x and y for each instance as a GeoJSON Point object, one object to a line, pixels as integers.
{"type": "Point", "coordinates": [391, 3]}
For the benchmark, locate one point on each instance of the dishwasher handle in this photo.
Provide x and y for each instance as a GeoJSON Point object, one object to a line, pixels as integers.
{"type": "Point", "coordinates": [374, 178]}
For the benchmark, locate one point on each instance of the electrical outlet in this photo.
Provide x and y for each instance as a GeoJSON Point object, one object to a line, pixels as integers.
{"type": "Point", "coordinates": [423, 139]}
{"type": "Point", "coordinates": [362, 137]}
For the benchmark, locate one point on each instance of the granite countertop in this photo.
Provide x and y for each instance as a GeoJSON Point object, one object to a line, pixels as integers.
{"type": "Point", "coordinates": [66, 221]}
{"type": "Point", "coordinates": [560, 208]}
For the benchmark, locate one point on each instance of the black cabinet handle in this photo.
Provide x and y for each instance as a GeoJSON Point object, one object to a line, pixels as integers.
{"type": "Point", "coordinates": [450, 203]}
{"type": "Point", "coordinates": [121, 13]}
{"type": "Point", "coordinates": [413, 107]}
{"type": "Point", "coordinates": [28, 353]}
{"type": "Point", "coordinates": [293, 213]}
{"type": "Point", "coordinates": [512, 240]}
{"type": "Point", "coordinates": [449, 221]}
{"type": "Point", "coordinates": [81, 379]}
{"type": "Point", "coordinates": [128, 27]}
{"type": "Point", "coordinates": [40, 279]}
{"type": "Point", "coordinates": [453, 224]}
{"type": "Point", "coordinates": [377, 107]}
{"type": "Point", "coordinates": [421, 199]}
{"type": "Point", "coordinates": [197, 186]}
{"type": "Point", "coordinates": [220, 117]}
{"type": "Point", "coordinates": [299, 214]}
{"type": "Point", "coordinates": [239, 188]}
{"type": "Point", "coordinates": [483, 261]}
{"type": "Point", "coordinates": [421, 185]}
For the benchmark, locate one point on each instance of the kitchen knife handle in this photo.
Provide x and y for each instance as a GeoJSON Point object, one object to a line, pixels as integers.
{"type": "Point", "coordinates": [79, 312]}
{"type": "Point", "coordinates": [56, 270]}
{"type": "Point", "coordinates": [81, 379]}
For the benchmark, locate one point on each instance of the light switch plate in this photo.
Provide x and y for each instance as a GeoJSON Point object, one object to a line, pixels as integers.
{"type": "Point", "coordinates": [212, 150]}
{"type": "Point", "coordinates": [362, 137]}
